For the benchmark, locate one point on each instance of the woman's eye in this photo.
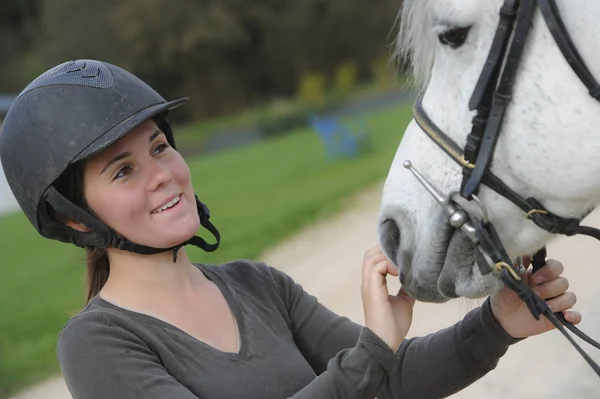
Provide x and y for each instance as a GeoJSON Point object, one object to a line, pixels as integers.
{"type": "Point", "coordinates": [122, 172]}
{"type": "Point", "coordinates": [454, 37]}
{"type": "Point", "coordinates": [162, 147]}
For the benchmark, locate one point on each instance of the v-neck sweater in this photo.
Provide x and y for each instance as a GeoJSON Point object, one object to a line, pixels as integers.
{"type": "Point", "coordinates": [290, 346]}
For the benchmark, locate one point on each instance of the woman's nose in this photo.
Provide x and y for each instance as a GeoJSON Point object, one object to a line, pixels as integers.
{"type": "Point", "coordinates": [158, 174]}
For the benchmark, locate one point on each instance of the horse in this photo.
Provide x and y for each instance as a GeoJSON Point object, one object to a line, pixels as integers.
{"type": "Point", "coordinates": [546, 148]}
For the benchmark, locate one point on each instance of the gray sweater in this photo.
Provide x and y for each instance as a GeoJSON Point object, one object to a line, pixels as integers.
{"type": "Point", "coordinates": [291, 347]}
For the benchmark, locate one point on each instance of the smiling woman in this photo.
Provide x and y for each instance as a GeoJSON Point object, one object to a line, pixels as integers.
{"type": "Point", "coordinates": [116, 175]}
{"type": "Point", "coordinates": [141, 163]}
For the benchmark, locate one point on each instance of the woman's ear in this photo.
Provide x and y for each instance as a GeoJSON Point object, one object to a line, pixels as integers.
{"type": "Point", "coordinates": [75, 225]}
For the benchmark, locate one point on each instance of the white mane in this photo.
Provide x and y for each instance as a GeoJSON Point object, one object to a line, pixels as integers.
{"type": "Point", "coordinates": [415, 45]}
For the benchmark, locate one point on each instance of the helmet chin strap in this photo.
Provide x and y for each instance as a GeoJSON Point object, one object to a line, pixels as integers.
{"type": "Point", "coordinates": [100, 236]}
{"type": "Point", "coordinates": [204, 213]}
{"type": "Point", "coordinates": [199, 241]}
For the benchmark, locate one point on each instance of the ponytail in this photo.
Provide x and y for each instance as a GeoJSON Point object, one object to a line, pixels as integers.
{"type": "Point", "coordinates": [98, 269]}
{"type": "Point", "coordinates": [70, 184]}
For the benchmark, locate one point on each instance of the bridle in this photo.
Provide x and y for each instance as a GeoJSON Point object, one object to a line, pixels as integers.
{"type": "Point", "coordinates": [490, 99]}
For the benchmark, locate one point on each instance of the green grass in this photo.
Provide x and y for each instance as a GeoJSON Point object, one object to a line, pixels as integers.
{"type": "Point", "coordinates": [258, 195]}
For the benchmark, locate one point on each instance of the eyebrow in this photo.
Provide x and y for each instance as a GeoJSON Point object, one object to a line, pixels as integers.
{"type": "Point", "coordinates": [124, 155]}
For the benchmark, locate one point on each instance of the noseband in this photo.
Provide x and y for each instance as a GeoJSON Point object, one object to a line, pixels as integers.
{"type": "Point", "coordinates": [490, 100]}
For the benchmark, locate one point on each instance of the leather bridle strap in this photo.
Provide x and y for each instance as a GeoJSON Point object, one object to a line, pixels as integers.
{"type": "Point", "coordinates": [501, 96]}
{"type": "Point", "coordinates": [567, 47]}
{"type": "Point", "coordinates": [533, 210]}
{"type": "Point", "coordinates": [493, 91]}
{"type": "Point", "coordinates": [484, 90]}
{"type": "Point", "coordinates": [493, 64]}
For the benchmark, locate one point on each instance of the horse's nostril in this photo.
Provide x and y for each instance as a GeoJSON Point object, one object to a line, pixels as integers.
{"type": "Point", "coordinates": [390, 238]}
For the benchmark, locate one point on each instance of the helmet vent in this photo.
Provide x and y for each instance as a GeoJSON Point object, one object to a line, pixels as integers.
{"type": "Point", "coordinates": [88, 73]}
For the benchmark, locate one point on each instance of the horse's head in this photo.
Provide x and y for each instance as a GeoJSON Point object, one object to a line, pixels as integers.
{"type": "Point", "coordinates": [548, 147]}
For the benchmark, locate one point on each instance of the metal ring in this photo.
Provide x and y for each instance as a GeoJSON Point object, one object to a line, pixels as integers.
{"type": "Point", "coordinates": [521, 269]}
{"type": "Point", "coordinates": [466, 163]}
{"type": "Point", "coordinates": [504, 265]}
{"type": "Point", "coordinates": [484, 211]}
{"type": "Point", "coordinates": [449, 199]}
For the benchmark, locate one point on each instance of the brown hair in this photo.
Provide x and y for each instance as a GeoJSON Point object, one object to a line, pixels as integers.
{"type": "Point", "coordinates": [71, 185]}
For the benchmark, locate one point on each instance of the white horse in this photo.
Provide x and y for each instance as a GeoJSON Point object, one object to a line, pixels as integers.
{"type": "Point", "coordinates": [548, 148]}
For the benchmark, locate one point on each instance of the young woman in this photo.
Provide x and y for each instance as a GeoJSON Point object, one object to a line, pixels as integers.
{"type": "Point", "coordinates": [90, 158]}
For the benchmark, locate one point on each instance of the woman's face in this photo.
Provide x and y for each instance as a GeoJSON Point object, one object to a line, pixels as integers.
{"type": "Point", "coordinates": [141, 187]}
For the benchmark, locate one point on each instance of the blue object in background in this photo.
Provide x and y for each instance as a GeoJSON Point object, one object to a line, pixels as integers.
{"type": "Point", "coordinates": [338, 139]}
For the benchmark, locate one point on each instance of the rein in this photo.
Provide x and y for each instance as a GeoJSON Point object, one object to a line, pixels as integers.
{"type": "Point", "coordinates": [532, 208]}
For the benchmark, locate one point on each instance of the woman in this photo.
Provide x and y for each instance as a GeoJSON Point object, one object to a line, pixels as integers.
{"type": "Point", "coordinates": [91, 160]}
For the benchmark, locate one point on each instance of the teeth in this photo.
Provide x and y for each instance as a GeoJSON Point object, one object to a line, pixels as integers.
{"type": "Point", "coordinates": [168, 205]}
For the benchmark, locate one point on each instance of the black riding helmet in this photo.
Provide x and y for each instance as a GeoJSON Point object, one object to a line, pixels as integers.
{"type": "Point", "coordinates": [65, 116]}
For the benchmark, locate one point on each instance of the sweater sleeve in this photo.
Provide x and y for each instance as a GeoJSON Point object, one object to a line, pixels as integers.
{"type": "Point", "coordinates": [354, 363]}
{"type": "Point", "coordinates": [100, 360]}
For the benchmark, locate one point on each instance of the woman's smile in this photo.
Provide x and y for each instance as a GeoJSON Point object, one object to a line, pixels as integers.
{"type": "Point", "coordinates": [169, 205]}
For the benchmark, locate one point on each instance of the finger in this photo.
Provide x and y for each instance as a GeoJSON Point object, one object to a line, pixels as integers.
{"type": "Point", "coordinates": [373, 275]}
{"type": "Point", "coordinates": [405, 296]}
{"type": "Point", "coordinates": [375, 257]}
{"type": "Point", "coordinates": [378, 272]}
{"type": "Point", "coordinates": [572, 316]}
{"type": "Point", "coordinates": [528, 277]}
{"type": "Point", "coordinates": [370, 261]}
{"type": "Point", "coordinates": [552, 288]}
{"type": "Point", "coordinates": [563, 302]}
{"type": "Point", "coordinates": [392, 269]}
{"type": "Point", "coordinates": [373, 250]}
{"type": "Point", "coordinates": [376, 283]}
{"type": "Point", "coordinates": [549, 271]}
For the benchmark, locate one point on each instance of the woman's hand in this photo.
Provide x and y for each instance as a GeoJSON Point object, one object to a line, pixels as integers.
{"type": "Point", "coordinates": [386, 315]}
{"type": "Point", "coordinates": [514, 316]}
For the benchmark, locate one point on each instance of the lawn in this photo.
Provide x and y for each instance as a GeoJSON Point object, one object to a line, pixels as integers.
{"type": "Point", "coordinates": [258, 195]}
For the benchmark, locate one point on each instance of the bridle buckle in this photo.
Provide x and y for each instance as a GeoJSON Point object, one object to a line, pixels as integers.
{"type": "Point", "coordinates": [532, 212]}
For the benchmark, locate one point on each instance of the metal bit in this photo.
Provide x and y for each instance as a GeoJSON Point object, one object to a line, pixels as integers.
{"type": "Point", "coordinates": [457, 218]}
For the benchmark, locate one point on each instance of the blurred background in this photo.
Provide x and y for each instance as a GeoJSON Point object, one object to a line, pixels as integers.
{"type": "Point", "coordinates": [227, 55]}
{"type": "Point", "coordinates": [295, 107]}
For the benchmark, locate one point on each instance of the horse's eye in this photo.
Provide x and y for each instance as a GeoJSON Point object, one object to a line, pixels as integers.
{"type": "Point", "coordinates": [454, 37]}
